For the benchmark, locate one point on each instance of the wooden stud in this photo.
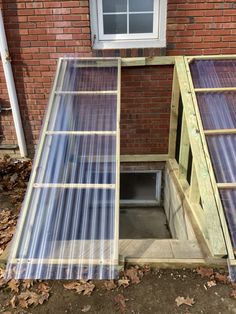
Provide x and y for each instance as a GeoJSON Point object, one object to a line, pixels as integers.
{"type": "Point", "coordinates": [174, 115]}
{"type": "Point", "coordinates": [226, 185]}
{"type": "Point", "coordinates": [81, 132]}
{"type": "Point", "coordinates": [73, 186]}
{"type": "Point", "coordinates": [219, 132]}
{"type": "Point", "coordinates": [142, 61]}
{"type": "Point", "coordinates": [109, 92]}
{"type": "Point", "coordinates": [194, 194]}
{"type": "Point", "coordinates": [144, 158]}
{"type": "Point", "coordinates": [184, 150]}
{"type": "Point", "coordinates": [215, 90]}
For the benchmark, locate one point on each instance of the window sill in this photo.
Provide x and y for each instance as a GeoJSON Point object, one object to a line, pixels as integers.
{"type": "Point", "coordinates": [127, 44]}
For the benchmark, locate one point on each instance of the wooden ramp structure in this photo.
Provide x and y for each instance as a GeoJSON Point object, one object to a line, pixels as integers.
{"type": "Point", "coordinates": [69, 223]}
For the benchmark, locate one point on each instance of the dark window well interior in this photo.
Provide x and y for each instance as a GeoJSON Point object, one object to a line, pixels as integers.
{"type": "Point", "coordinates": [141, 213]}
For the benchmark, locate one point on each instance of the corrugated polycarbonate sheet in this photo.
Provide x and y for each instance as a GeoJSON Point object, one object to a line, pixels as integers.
{"type": "Point", "coordinates": [223, 156]}
{"type": "Point", "coordinates": [213, 73]}
{"type": "Point", "coordinates": [228, 198]}
{"type": "Point", "coordinates": [69, 222]}
{"type": "Point", "coordinates": [218, 112]}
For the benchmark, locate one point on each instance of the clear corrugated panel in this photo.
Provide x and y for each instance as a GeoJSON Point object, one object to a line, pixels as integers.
{"type": "Point", "coordinates": [87, 75]}
{"type": "Point", "coordinates": [228, 198]}
{"type": "Point", "coordinates": [223, 155]}
{"type": "Point", "coordinates": [66, 234]}
{"type": "Point", "coordinates": [218, 110]}
{"type": "Point", "coordinates": [78, 159]}
{"type": "Point", "coordinates": [68, 227]}
{"type": "Point", "coordinates": [83, 113]}
{"type": "Point", "coordinates": [213, 73]}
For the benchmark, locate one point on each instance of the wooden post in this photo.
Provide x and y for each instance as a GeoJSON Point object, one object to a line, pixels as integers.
{"type": "Point", "coordinates": [184, 150]}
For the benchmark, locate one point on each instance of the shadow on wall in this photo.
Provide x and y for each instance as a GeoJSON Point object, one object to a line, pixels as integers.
{"type": "Point", "coordinates": [20, 69]}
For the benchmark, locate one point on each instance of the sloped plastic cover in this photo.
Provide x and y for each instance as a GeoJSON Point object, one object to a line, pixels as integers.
{"type": "Point", "coordinates": [218, 112]}
{"type": "Point", "coordinates": [68, 227]}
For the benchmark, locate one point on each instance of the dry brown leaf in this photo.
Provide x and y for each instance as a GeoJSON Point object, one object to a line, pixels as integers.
{"type": "Point", "coordinates": [14, 302]}
{"type": "Point", "coordinates": [7, 312]}
{"type": "Point", "coordinates": [132, 274]}
{"type": "Point", "coordinates": [205, 272]}
{"type": "Point", "coordinates": [32, 298]}
{"type": "Point", "coordinates": [233, 294]}
{"type": "Point", "coordinates": [223, 278]}
{"type": "Point", "coordinates": [211, 283]}
{"type": "Point", "coordinates": [86, 287]}
{"type": "Point", "coordinates": [43, 287]}
{"type": "Point", "coordinates": [120, 301]}
{"type": "Point", "coordinates": [146, 269]}
{"type": "Point", "coordinates": [110, 285]}
{"type": "Point", "coordinates": [27, 284]}
{"type": "Point", "coordinates": [14, 285]}
{"type": "Point", "coordinates": [86, 308]}
{"type": "Point", "coordinates": [187, 301]}
{"type": "Point", "coordinates": [123, 282]}
{"type": "Point", "coordinates": [23, 304]}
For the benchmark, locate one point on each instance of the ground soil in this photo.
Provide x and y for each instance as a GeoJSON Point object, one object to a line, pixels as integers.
{"type": "Point", "coordinates": [156, 293]}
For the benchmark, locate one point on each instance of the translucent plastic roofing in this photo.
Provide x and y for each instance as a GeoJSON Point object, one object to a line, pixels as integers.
{"type": "Point", "coordinates": [68, 227]}
{"type": "Point", "coordinates": [218, 113]}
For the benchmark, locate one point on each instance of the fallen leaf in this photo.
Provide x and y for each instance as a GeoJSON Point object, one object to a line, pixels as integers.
{"type": "Point", "coordinates": [120, 301]}
{"type": "Point", "coordinates": [205, 272]}
{"type": "Point", "coordinates": [32, 298]}
{"type": "Point", "coordinates": [14, 302]}
{"type": "Point", "coordinates": [43, 287]}
{"type": "Point", "coordinates": [233, 294]}
{"type": "Point", "coordinates": [86, 287]}
{"type": "Point", "coordinates": [110, 285]}
{"type": "Point", "coordinates": [187, 301]}
{"type": "Point", "coordinates": [211, 283]}
{"type": "Point", "coordinates": [27, 284]}
{"type": "Point", "coordinates": [86, 308]}
{"type": "Point", "coordinates": [131, 273]}
{"type": "Point", "coordinates": [223, 278]}
{"type": "Point", "coordinates": [14, 285]}
{"type": "Point", "coordinates": [123, 282]}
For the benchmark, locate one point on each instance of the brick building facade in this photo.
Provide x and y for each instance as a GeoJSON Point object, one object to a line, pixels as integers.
{"type": "Point", "coordinates": [39, 32]}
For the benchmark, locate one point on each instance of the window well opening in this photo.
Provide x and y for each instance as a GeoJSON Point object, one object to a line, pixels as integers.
{"type": "Point", "coordinates": [141, 213]}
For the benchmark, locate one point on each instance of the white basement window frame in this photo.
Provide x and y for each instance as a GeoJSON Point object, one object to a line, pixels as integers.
{"type": "Point", "coordinates": [103, 40]}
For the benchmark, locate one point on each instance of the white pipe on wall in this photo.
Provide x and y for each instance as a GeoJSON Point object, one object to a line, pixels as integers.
{"type": "Point", "coordinates": [11, 89]}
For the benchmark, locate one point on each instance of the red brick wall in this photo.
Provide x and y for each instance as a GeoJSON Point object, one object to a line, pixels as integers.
{"type": "Point", "coordinates": [39, 32]}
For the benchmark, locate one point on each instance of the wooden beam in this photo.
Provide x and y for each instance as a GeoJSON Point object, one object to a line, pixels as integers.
{"type": "Point", "coordinates": [215, 89]}
{"type": "Point", "coordinates": [212, 228]}
{"type": "Point", "coordinates": [211, 57]}
{"type": "Point", "coordinates": [142, 61]}
{"type": "Point", "coordinates": [194, 194]}
{"type": "Point", "coordinates": [81, 133]}
{"type": "Point", "coordinates": [220, 131]}
{"type": "Point", "coordinates": [62, 261]}
{"type": "Point", "coordinates": [102, 92]}
{"type": "Point", "coordinates": [174, 115]}
{"type": "Point", "coordinates": [74, 186]}
{"type": "Point", "coordinates": [226, 185]}
{"type": "Point", "coordinates": [144, 158]}
{"type": "Point", "coordinates": [184, 150]}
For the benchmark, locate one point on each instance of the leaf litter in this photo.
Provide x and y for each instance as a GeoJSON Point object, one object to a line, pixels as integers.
{"type": "Point", "coordinates": [187, 301]}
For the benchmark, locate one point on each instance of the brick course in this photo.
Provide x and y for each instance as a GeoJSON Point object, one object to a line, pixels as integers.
{"type": "Point", "coordinates": [39, 32]}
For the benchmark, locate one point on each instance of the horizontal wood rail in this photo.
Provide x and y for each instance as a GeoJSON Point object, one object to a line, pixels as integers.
{"type": "Point", "coordinates": [112, 92]}
{"type": "Point", "coordinates": [81, 132]}
{"type": "Point", "coordinates": [74, 186]}
{"type": "Point", "coordinates": [214, 90]}
{"type": "Point", "coordinates": [220, 132]}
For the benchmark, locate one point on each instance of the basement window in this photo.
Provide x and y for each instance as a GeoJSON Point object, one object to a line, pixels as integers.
{"type": "Point", "coordinates": [128, 23]}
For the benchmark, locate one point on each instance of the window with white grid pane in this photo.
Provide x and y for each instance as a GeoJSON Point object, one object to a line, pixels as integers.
{"type": "Point", "coordinates": [128, 23]}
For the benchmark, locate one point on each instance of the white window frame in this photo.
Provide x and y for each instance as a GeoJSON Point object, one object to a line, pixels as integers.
{"type": "Point", "coordinates": [117, 41]}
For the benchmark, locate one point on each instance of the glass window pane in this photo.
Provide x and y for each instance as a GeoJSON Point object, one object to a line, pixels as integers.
{"type": "Point", "coordinates": [114, 6]}
{"type": "Point", "coordinates": [140, 5]}
{"type": "Point", "coordinates": [141, 23]}
{"type": "Point", "coordinates": [115, 24]}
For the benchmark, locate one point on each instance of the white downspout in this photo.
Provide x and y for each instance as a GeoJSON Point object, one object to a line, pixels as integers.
{"type": "Point", "coordinates": [6, 61]}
